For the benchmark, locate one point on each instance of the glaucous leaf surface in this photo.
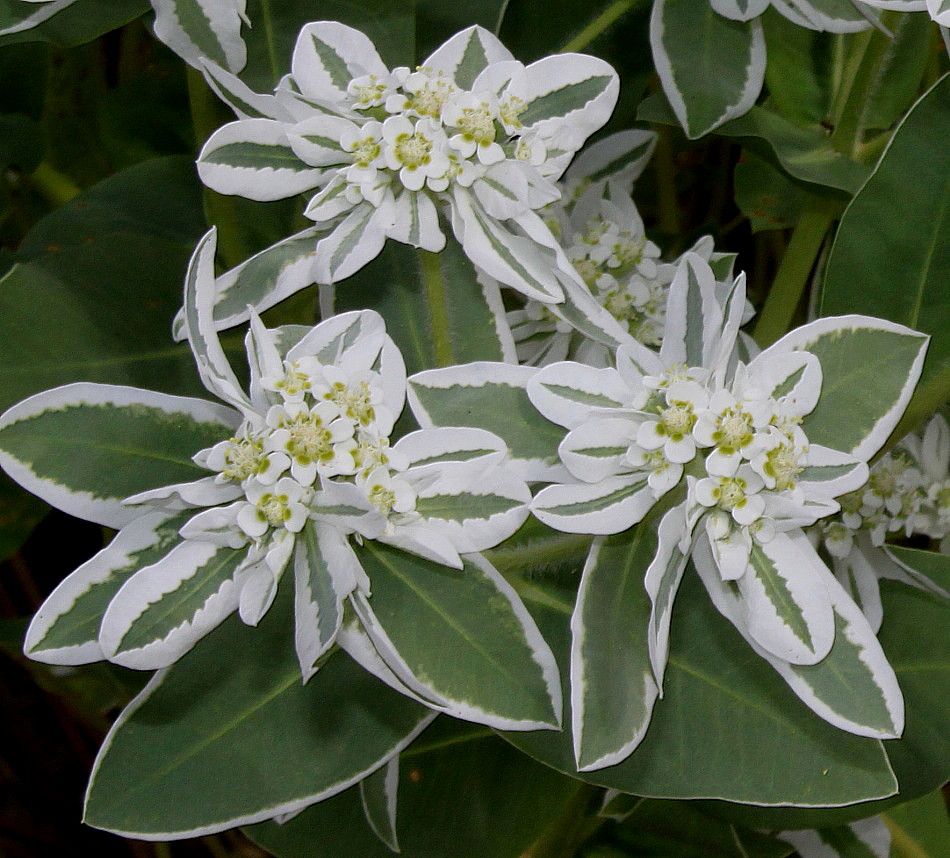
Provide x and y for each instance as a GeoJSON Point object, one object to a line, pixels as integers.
{"type": "Point", "coordinates": [231, 723]}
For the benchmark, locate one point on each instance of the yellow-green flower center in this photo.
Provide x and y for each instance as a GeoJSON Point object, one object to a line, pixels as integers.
{"type": "Point", "coordinates": [354, 402]}
{"type": "Point", "coordinates": [273, 509]}
{"type": "Point", "coordinates": [676, 421]}
{"type": "Point", "coordinates": [310, 440]}
{"type": "Point", "coordinates": [366, 151]}
{"type": "Point", "coordinates": [413, 150]}
{"type": "Point", "coordinates": [242, 459]}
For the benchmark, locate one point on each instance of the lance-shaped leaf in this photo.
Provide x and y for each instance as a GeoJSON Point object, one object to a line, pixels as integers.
{"type": "Point", "coordinates": [253, 158]}
{"type": "Point", "coordinates": [378, 794]}
{"type": "Point", "coordinates": [925, 569]}
{"type": "Point", "coordinates": [246, 103]}
{"type": "Point", "coordinates": [490, 396]}
{"type": "Point", "coordinates": [164, 609]}
{"type": "Point", "coordinates": [853, 687]}
{"type": "Point", "coordinates": [217, 740]}
{"type": "Point", "coordinates": [566, 393]}
{"type": "Point", "coordinates": [724, 727]}
{"type": "Point", "coordinates": [619, 158]}
{"type": "Point", "coordinates": [609, 506]}
{"type": "Point", "coordinates": [263, 280]}
{"type": "Point", "coordinates": [511, 259]}
{"type": "Point", "coordinates": [85, 447]}
{"type": "Point", "coordinates": [203, 28]}
{"type": "Point", "coordinates": [18, 17]}
{"type": "Point", "coordinates": [460, 638]}
{"type": "Point", "coordinates": [355, 241]}
{"type": "Point", "coordinates": [909, 189]}
{"type": "Point", "coordinates": [869, 369]}
{"type": "Point", "coordinates": [711, 68]}
{"type": "Point", "coordinates": [662, 581]}
{"type": "Point", "coordinates": [612, 685]}
{"type": "Point", "coordinates": [65, 630]}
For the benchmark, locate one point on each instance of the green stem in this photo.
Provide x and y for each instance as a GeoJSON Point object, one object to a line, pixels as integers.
{"type": "Point", "coordinates": [434, 284]}
{"type": "Point", "coordinates": [794, 270]}
{"type": "Point", "coordinates": [578, 821]}
{"type": "Point", "coordinates": [665, 166]}
{"type": "Point", "coordinates": [56, 187]}
{"type": "Point", "coordinates": [268, 25]}
{"type": "Point", "coordinates": [220, 210]}
{"type": "Point", "coordinates": [606, 19]}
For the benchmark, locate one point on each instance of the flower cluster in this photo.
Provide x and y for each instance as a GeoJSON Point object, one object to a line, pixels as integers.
{"type": "Point", "coordinates": [470, 128]}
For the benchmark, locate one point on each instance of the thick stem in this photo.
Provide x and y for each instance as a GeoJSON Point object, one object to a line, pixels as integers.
{"type": "Point", "coordinates": [579, 820]}
{"type": "Point", "coordinates": [794, 270]}
{"type": "Point", "coordinates": [434, 284]}
{"type": "Point", "coordinates": [606, 19]}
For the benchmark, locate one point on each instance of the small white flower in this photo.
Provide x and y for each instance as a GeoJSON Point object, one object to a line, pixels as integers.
{"type": "Point", "coordinates": [282, 505]}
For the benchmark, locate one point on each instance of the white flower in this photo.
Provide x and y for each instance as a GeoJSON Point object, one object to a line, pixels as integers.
{"type": "Point", "coordinates": [383, 152]}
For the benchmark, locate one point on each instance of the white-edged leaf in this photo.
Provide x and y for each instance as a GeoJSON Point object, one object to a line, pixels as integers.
{"type": "Point", "coordinates": [253, 158]}
{"type": "Point", "coordinates": [662, 581]}
{"type": "Point", "coordinates": [490, 396]}
{"type": "Point", "coordinates": [694, 316]}
{"type": "Point", "coordinates": [568, 393]}
{"type": "Point", "coordinates": [22, 17]}
{"type": "Point", "coordinates": [164, 609]}
{"type": "Point", "coordinates": [416, 222]}
{"type": "Point", "coordinates": [85, 447]}
{"type": "Point", "coordinates": [437, 445]}
{"type": "Point", "coordinates": [866, 838]}
{"type": "Point", "coordinates": [469, 52]}
{"type": "Point", "coordinates": [356, 240]}
{"type": "Point", "coordinates": [831, 473]}
{"type": "Point", "coordinates": [869, 370]}
{"type": "Point", "coordinates": [597, 448]}
{"type": "Point", "coordinates": [711, 68]}
{"type": "Point", "coordinates": [246, 103]}
{"type": "Point", "coordinates": [610, 506]}
{"type": "Point", "coordinates": [196, 29]}
{"type": "Point", "coordinates": [65, 630]}
{"type": "Point", "coordinates": [460, 638]}
{"type": "Point", "coordinates": [619, 158]}
{"type": "Point", "coordinates": [784, 600]}
{"type": "Point", "coordinates": [378, 795]}
{"type": "Point", "coordinates": [612, 684]}
{"type": "Point", "coordinates": [858, 576]}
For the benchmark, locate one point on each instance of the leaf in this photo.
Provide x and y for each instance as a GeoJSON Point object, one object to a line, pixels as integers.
{"type": "Point", "coordinates": [493, 397]}
{"type": "Point", "coordinates": [909, 191]}
{"type": "Point", "coordinates": [805, 154]}
{"type": "Point", "coordinates": [378, 794]}
{"type": "Point", "coordinates": [217, 740]}
{"type": "Point", "coordinates": [270, 42]}
{"type": "Point", "coordinates": [868, 838]}
{"type": "Point", "coordinates": [160, 197]}
{"type": "Point", "coordinates": [869, 369]}
{"type": "Point", "coordinates": [711, 68]}
{"type": "Point", "coordinates": [765, 195]}
{"type": "Point", "coordinates": [194, 29]}
{"type": "Point", "coordinates": [73, 22]}
{"type": "Point", "coordinates": [725, 727]}
{"type": "Point", "coordinates": [612, 685]}
{"type": "Point", "coordinates": [90, 329]}
{"type": "Point", "coordinates": [461, 638]}
{"type": "Point", "coordinates": [65, 630]}
{"type": "Point", "coordinates": [919, 828]}
{"type": "Point", "coordinates": [85, 447]}
{"type": "Point", "coordinates": [462, 793]}
{"type": "Point", "coordinates": [435, 306]}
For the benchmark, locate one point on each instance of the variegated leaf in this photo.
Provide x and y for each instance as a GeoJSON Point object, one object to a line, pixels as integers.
{"type": "Point", "coordinates": [461, 639]}
{"type": "Point", "coordinates": [619, 158]}
{"type": "Point", "coordinates": [246, 103]}
{"type": "Point", "coordinates": [711, 68]}
{"type": "Point", "coordinates": [378, 795]}
{"type": "Point", "coordinates": [163, 610]}
{"type": "Point", "coordinates": [490, 396]}
{"type": "Point", "coordinates": [253, 158]}
{"type": "Point", "coordinates": [610, 506]}
{"type": "Point", "coordinates": [466, 55]}
{"type": "Point", "coordinates": [65, 629]}
{"type": "Point", "coordinates": [195, 29]}
{"type": "Point", "coordinates": [612, 685]}
{"type": "Point", "coordinates": [568, 393]}
{"type": "Point", "coordinates": [18, 17]}
{"type": "Point", "coordinates": [355, 241]}
{"type": "Point", "coordinates": [869, 370]}
{"type": "Point", "coordinates": [85, 447]}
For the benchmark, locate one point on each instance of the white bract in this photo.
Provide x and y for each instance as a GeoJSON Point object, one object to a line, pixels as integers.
{"type": "Point", "coordinates": [311, 464]}
{"type": "Point", "coordinates": [196, 30]}
{"type": "Point", "coordinates": [379, 151]}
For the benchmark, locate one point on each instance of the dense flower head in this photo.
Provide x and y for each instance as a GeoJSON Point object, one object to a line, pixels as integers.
{"type": "Point", "coordinates": [470, 128]}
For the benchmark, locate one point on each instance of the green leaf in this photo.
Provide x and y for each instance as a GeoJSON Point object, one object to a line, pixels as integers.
{"type": "Point", "coordinates": [81, 21]}
{"type": "Point", "coordinates": [390, 24]}
{"type": "Point", "coordinates": [378, 794]}
{"type": "Point", "coordinates": [919, 828]}
{"type": "Point", "coordinates": [765, 195]}
{"type": "Point", "coordinates": [805, 154]}
{"type": "Point", "coordinates": [21, 143]}
{"type": "Point", "coordinates": [160, 197]}
{"type": "Point", "coordinates": [727, 726]}
{"type": "Point", "coordinates": [711, 67]}
{"type": "Point", "coordinates": [217, 740]}
{"type": "Point", "coordinates": [921, 757]}
{"type": "Point", "coordinates": [909, 196]}
{"type": "Point", "coordinates": [462, 793]}
{"type": "Point", "coordinates": [612, 684]}
{"type": "Point", "coordinates": [435, 308]}
{"type": "Point", "coordinates": [464, 638]}
{"type": "Point", "coordinates": [869, 368]}
{"type": "Point", "coordinates": [20, 512]}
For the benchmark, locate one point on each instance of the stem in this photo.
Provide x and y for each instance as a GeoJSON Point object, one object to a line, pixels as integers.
{"type": "Point", "coordinates": [56, 187]}
{"type": "Point", "coordinates": [434, 285]}
{"type": "Point", "coordinates": [595, 28]}
{"type": "Point", "coordinates": [578, 821]}
{"type": "Point", "coordinates": [794, 270]}
{"type": "Point", "coordinates": [268, 25]}
{"type": "Point", "coordinates": [669, 217]}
